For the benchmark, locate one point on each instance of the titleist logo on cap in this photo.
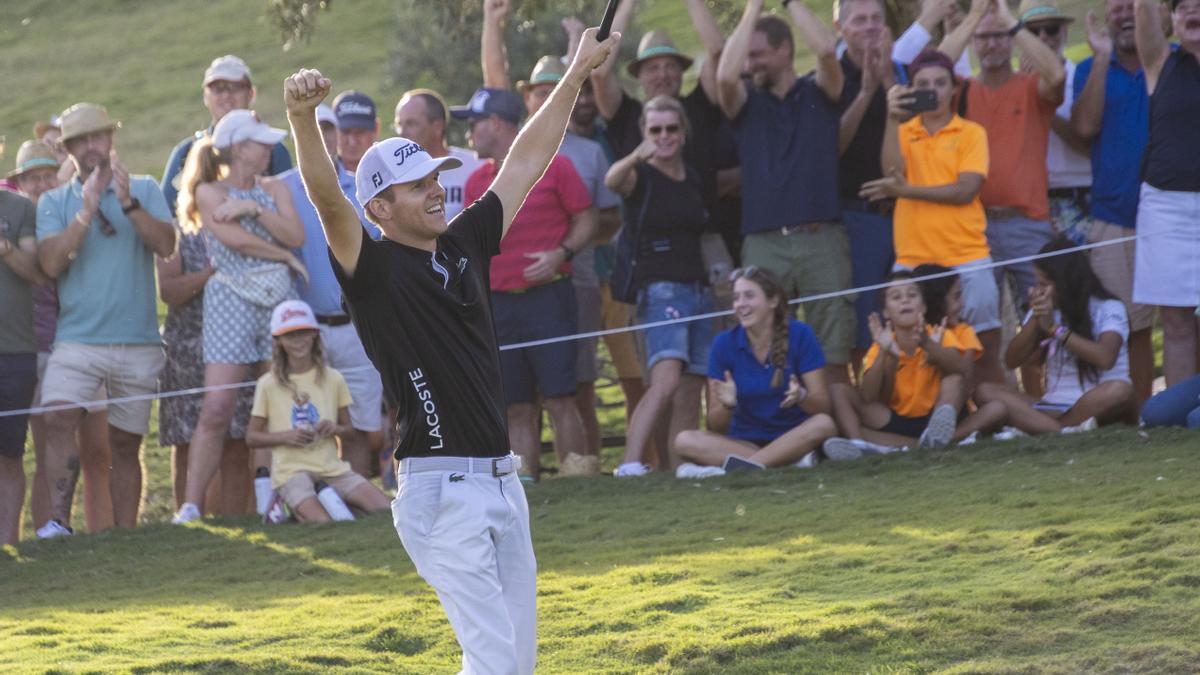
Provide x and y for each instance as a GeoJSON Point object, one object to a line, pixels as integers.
{"type": "Point", "coordinates": [479, 101]}
{"type": "Point", "coordinates": [405, 151]}
{"type": "Point", "coordinates": [354, 108]}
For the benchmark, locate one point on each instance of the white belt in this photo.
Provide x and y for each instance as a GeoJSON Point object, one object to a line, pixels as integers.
{"type": "Point", "coordinates": [496, 466]}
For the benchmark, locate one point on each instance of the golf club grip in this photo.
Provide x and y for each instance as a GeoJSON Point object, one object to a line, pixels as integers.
{"type": "Point", "coordinates": [606, 23]}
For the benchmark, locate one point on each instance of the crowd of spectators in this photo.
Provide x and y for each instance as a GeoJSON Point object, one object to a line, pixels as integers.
{"type": "Point", "coordinates": [893, 161]}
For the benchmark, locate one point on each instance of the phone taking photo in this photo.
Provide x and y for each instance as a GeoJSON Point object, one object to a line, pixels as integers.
{"type": "Point", "coordinates": [921, 100]}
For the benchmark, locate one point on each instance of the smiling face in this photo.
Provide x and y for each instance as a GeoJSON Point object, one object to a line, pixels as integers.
{"type": "Point", "coordinates": [298, 344]}
{"type": "Point", "coordinates": [861, 24]}
{"type": "Point", "coordinates": [751, 305]}
{"type": "Point", "coordinates": [766, 64]}
{"type": "Point", "coordinates": [660, 76]}
{"type": "Point", "coordinates": [993, 44]}
{"type": "Point", "coordinates": [1186, 21]}
{"type": "Point", "coordinates": [903, 305]}
{"type": "Point", "coordinates": [34, 182]}
{"type": "Point", "coordinates": [90, 151]}
{"type": "Point", "coordinates": [413, 211]}
{"type": "Point", "coordinates": [221, 96]}
{"type": "Point", "coordinates": [665, 129]}
{"type": "Point", "coordinates": [1119, 20]}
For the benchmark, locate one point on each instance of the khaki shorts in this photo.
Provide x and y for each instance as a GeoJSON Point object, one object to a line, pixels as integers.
{"type": "Point", "coordinates": [811, 260]}
{"type": "Point", "coordinates": [75, 371]}
{"type": "Point", "coordinates": [621, 346]}
{"type": "Point", "coordinates": [1113, 265]}
{"type": "Point", "coordinates": [300, 487]}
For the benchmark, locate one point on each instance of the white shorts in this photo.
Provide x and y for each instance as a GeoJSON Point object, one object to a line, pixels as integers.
{"type": "Point", "coordinates": [101, 393]}
{"type": "Point", "coordinates": [344, 351]}
{"type": "Point", "coordinates": [468, 536]}
{"type": "Point", "coordinates": [76, 370]}
{"type": "Point", "coordinates": [1167, 267]}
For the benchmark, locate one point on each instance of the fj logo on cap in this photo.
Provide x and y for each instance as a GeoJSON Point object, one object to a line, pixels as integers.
{"type": "Point", "coordinates": [376, 179]}
{"type": "Point", "coordinates": [405, 151]}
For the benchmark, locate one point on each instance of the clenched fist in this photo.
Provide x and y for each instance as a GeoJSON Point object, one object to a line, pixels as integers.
{"type": "Point", "coordinates": [304, 91]}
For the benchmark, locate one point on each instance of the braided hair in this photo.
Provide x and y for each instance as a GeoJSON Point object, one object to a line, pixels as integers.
{"type": "Point", "coordinates": [773, 290]}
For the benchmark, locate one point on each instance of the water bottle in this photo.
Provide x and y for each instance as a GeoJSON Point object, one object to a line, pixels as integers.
{"type": "Point", "coordinates": [334, 506]}
{"type": "Point", "coordinates": [262, 489]}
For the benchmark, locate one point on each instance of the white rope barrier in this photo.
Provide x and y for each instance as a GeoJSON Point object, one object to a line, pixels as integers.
{"type": "Point", "coordinates": [590, 334]}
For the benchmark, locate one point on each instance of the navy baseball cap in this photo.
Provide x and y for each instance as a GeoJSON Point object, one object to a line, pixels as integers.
{"type": "Point", "coordinates": [354, 110]}
{"type": "Point", "coordinates": [485, 102]}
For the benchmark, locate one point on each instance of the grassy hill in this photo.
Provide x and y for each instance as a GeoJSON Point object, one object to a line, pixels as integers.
{"type": "Point", "coordinates": [1063, 555]}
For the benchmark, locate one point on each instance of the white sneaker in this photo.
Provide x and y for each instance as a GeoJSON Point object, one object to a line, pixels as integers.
{"type": "Point", "coordinates": [847, 449]}
{"type": "Point", "coordinates": [687, 470]}
{"type": "Point", "coordinates": [631, 469]}
{"type": "Point", "coordinates": [1089, 424]}
{"type": "Point", "coordinates": [808, 461]}
{"type": "Point", "coordinates": [54, 529]}
{"type": "Point", "coordinates": [970, 440]}
{"type": "Point", "coordinates": [186, 514]}
{"type": "Point", "coordinates": [1008, 433]}
{"type": "Point", "coordinates": [940, 429]}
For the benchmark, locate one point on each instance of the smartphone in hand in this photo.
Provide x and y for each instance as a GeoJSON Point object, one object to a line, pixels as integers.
{"type": "Point", "coordinates": [921, 100]}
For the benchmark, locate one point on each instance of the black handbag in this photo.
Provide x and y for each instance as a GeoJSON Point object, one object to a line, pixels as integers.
{"type": "Point", "coordinates": [622, 284]}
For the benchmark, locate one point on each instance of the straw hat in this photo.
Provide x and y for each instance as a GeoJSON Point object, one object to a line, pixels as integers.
{"type": "Point", "coordinates": [32, 155]}
{"type": "Point", "coordinates": [1037, 11]}
{"type": "Point", "coordinates": [548, 70]}
{"type": "Point", "coordinates": [84, 118]}
{"type": "Point", "coordinates": [656, 43]}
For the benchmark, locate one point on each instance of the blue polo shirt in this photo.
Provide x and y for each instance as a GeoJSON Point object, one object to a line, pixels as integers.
{"type": "Point", "coordinates": [323, 292]}
{"type": "Point", "coordinates": [757, 417]}
{"type": "Point", "coordinates": [107, 294]}
{"type": "Point", "coordinates": [1117, 150]}
{"type": "Point", "coordinates": [789, 153]}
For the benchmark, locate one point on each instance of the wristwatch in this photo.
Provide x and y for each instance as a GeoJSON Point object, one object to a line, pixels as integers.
{"type": "Point", "coordinates": [567, 252]}
{"type": "Point", "coordinates": [134, 205]}
{"type": "Point", "coordinates": [1017, 28]}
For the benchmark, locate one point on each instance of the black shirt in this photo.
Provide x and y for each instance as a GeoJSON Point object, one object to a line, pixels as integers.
{"type": "Point", "coordinates": [1171, 154]}
{"type": "Point", "coordinates": [425, 320]}
{"type": "Point", "coordinates": [860, 162]}
{"type": "Point", "coordinates": [667, 228]}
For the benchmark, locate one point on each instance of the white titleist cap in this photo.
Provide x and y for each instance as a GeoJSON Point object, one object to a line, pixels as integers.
{"type": "Point", "coordinates": [228, 68]}
{"type": "Point", "coordinates": [292, 315]}
{"type": "Point", "coordinates": [244, 125]}
{"type": "Point", "coordinates": [325, 115]}
{"type": "Point", "coordinates": [395, 160]}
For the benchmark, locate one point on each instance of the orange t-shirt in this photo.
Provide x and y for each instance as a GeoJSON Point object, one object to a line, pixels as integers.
{"type": "Point", "coordinates": [967, 338]}
{"type": "Point", "coordinates": [917, 381]}
{"type": "Point", "coordinates": [930, 232]}
{"type": "Point", "coordinates": [1017, 120]}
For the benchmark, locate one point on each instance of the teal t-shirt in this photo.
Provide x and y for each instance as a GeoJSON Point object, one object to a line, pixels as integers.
{"type": "Point", "coordinates": [107, 294]}
{"type": "Point", "coordinates": [16, 299]}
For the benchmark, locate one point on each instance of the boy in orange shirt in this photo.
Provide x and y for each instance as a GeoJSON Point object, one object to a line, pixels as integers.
{"type": "Point", "coordinates": [912, 388]}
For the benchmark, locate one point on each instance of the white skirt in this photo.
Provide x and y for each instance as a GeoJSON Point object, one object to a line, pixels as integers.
{"type": "Point", "coordinates": [1167, 264]}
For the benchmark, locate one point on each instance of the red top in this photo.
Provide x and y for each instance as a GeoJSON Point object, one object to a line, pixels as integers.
{"type": "Point", "coordinates": [540, 224]}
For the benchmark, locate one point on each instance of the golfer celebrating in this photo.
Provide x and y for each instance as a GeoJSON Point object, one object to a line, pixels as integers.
{"type": "Point", "coordinates": [419, 300]}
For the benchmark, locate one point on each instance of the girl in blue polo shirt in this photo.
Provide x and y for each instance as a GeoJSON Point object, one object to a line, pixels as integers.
{"type": "Point", "coordinates": [768, 405]}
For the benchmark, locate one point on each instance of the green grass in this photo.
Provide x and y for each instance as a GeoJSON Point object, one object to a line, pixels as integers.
{"type": "Point", "coordinates": [1065, 554]}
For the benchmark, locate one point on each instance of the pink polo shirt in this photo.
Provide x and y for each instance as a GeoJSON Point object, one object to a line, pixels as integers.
{"type": "Point", "coordinates": [539, 225]}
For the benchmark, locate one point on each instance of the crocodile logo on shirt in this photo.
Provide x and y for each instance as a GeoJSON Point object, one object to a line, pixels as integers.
{"type": "Point", "coordinates": [457, 478]}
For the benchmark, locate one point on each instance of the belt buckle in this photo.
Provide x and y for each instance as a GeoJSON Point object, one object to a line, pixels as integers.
{"type": "Point", "coordinates": [495, 463]}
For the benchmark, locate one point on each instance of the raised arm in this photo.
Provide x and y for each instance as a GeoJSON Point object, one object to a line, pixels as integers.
{"type": "Point", "coordinates": [605, 82]}
{"type": "Point", "coordinates": [1044, 61]}
{"type": "Point", "coordinates": [302, 93]}
{"type": "Point", "coordinates": [713, 41]}
{"type": "Point", "coordinates": [890, 157]}
{"type": "Point", "coordinates": [1087, 113]}
{"type": "Point", "coordinates": [820, 39]}
{"type": "Point", "coordinates": [1152, 46]}
{"type": "Point", "coordinates": [621, 177]}
{"type": "Point", "coordinates": [539, 139]}
{"type": "Point", "coordinates": [956, 41]}
{"type": "Point", "coordinates": [731, 92]}
{"type": "Point", "coordinates": [491, 48]}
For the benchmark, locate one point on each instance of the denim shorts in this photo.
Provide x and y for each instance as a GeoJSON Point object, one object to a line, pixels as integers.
{"type": "Point", "coordinates": [686, 341]}
{"type": "Point", "coordinates": [18, 377]}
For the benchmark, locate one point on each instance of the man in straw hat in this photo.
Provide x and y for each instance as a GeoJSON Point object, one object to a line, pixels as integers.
{"type": "Point", "coordinates": [419, 299]}
{"type": "Point", "coordinates": [226, 86]}
{"type": "Point", "coordinates": [98, 235]}
{"type": "Point", "coordinates": [1111, 112]}
{"type": "Point", "coordinates": [18, 348]}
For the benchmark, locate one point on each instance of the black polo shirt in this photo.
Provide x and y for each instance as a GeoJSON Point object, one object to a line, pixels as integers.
{"type": "Point", "coordinates": [425, 320]}
{"type": "Point", "coordinates": [860, 162]}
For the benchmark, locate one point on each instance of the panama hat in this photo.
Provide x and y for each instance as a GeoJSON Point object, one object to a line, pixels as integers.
{"type": "Point", "coordinates": [82, 119]}
{"type": "Point", "coordinates": [34, 154]}
{"type": "Point", "coordinates": [1037, 11]}
{"type": "Point", "coordinates": [548, 70]}
{"type": "Point", "coordinates": [656, 43]}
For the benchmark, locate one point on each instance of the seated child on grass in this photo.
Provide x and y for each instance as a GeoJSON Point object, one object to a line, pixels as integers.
{"type": "Point", "coordinates": [1078, 330]}
{"type": "Point", "coordinates": [913, 384]}
{"type": "Point", "coordinates": [767, 400]}
{"type": "Point", "coordinates": [294, 413]}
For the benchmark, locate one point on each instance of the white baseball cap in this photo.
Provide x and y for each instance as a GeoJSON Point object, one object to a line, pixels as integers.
{"type": "Point", "coordinates": [244, 125]}
{"type": "Point", "coordinates": [292, 315]}
{"type": "Point", "coordinates": [392, 161]}
{"type": "Point", "coordinates": [325, 115]}
{"type": "Point", "coordinates": [228, 68]}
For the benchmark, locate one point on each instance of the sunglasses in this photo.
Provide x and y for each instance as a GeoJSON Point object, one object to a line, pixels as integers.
{"type": "Point", "coordinates": [106, 227]}
{"type": "Point", "coordinates": [656, 130]}
{"type": "Point", "coordinates": [1049, 29]}
{"type": "Point", "coordinates": [743, 272]}
{"type": "Point", "coordinates": [984, 37]}
{"type": "Point", "coordinates": [228, 87]}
